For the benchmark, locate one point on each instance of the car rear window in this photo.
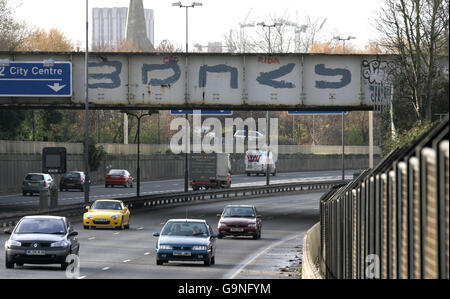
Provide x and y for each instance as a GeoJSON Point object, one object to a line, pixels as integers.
{"type": "Point", "coordinates": [34, 177]}
{"type": "Point", "coordinates": [72, 175]}
{"type": "Point", "coordinates": [117, 172]}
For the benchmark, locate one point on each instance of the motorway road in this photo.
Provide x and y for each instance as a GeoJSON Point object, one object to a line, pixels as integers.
{"type": "Point", "coordinates": [11, 202]}
{"type": "Point", "coordinates": [109, 253]}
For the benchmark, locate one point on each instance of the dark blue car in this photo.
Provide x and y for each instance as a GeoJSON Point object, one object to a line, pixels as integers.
{"type": "Point", "coordinates": [186, 240]}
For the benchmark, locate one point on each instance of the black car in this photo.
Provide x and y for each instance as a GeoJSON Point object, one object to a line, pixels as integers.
{"type": "Point", "coordinates": [41, 240]}
{"type": "Point", "coordinates": [72, 180]}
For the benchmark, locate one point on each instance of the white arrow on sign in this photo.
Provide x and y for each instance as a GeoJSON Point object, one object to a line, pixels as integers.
{"type": "Point", "coordinates": [56, 87]}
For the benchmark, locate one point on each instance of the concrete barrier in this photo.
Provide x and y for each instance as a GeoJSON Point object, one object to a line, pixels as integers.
{"type": "Point", "coordinates": [311, 253]}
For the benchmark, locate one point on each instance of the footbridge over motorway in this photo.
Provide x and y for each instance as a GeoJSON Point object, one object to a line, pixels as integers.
{"type": "Point", "coordinates": [197, 81]}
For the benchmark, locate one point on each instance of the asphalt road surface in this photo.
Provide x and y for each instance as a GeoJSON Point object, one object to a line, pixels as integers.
{"type": "Point", "coordinates": [13, 202]}
{"type": "Point", "coordinates": [130, 254]}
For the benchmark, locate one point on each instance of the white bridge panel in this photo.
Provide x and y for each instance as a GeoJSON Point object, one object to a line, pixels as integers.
{"type": "Point", "coordinates": [229, 81]}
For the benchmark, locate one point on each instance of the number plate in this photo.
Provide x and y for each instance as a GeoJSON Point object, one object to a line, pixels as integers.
{"type": "Point", "coordinates": [101, 220]}
{"type": "Point", "coordinates": [35, 252]}
{"type": "Point", "coordinates": [181, 253]}
{"type": "Point", "coordinates": [239, 230]}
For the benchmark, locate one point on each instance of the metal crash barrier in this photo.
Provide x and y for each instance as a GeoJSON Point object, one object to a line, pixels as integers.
{"type": "Point", "coordinates": [392, 222]}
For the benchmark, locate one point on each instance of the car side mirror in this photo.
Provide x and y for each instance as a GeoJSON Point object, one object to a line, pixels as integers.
{"type": "Point", "coordinates": [73, 234]}
{"type": "Point", "coordinates": [219, 215]}
{"type": "Point", "coordinates": [259, 216]}
{"type": "Point", "coordinates": [7, 231]}
{"type": "Point", "coordinates": [125, 210]}
{"type": "Point", "coordinates": [88, 208]}
{"type": "Point", "coordinates": [155, 234]}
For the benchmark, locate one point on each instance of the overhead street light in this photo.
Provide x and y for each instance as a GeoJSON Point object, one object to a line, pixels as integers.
{"type": "Point", "coordinates": [343, 41]}
{"type": "Point", "coordinates": [186, 164]}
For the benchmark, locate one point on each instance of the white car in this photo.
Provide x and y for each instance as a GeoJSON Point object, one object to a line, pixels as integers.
{"type": "Point", "coordinates": [253, 136]}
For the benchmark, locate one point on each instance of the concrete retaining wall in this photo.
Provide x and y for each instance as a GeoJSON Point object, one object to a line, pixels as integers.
{"type": "Point", "coordinates": [311, 254]}
{"type": "Point", "coordinates": [13, 167]}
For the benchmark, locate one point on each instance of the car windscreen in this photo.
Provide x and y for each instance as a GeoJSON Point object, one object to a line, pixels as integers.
{"type": "Point", "coordinates": [34, 177]}
{"type": "Point", "coordinates": [74, 175]}
{"type": "Point", "coordinates": [107, 205]}
{"type": "Point", "coordinates": [239, 212]}
{"type": "Point", "coordinates": [182, 228]}
{"type": "Point", "coordinates": [41, 226]}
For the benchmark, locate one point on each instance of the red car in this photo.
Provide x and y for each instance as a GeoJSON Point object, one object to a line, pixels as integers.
{"type": "Point", "coordinates": [119, 177]}
{"type": "Point", "coordinates": [239, 220]}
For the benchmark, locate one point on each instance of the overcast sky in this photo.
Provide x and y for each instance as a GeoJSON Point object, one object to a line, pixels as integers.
{"type": "Point", "coordinates": [210, 22]}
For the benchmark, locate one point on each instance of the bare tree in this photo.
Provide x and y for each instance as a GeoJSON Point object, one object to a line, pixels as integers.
{"type": "Point", "coordinates": [12, 32]}
{"type": "Point", "coordinates": [417, 30]}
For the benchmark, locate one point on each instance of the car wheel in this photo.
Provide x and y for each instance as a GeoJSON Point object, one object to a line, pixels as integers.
{"type": "Point", "coordinates": [159, 263]}
{"type": "Point", "coordinates": [82, 188]}
{"type": "Point", "coordinates": [24, 194]}
{"type": "Point", "coordinates": [121, 227]}
{"type": "Point", "coordinates": [61, 189]}
{"type": "Point", "coordinates": [208, 261]}
{"type": "Point", "coordinates": [86, 227]}
{"type": "Point", "coordinates": [128, 225]}
{"type": "Point", "coordinates": [220, 236]}
{"type": "Point", "coordinates": [106, 185]}
{"type": "Point", "coordinates": [19, 264]}
{"type": "Point", "coordinates": [64, 266]}
{"type": "Point", "coordinates": [9, 265]}
{"type": "Point", "coordinates": [248, 174]}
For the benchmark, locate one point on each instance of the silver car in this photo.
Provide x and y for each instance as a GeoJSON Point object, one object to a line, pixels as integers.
{"type": "Point", "coordinates": [41, 240]}
{"type": "Point", "coordinates": [36, 182]}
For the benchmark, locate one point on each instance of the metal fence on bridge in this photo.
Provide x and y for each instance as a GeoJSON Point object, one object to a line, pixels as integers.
{"type": "Point", "coordinates": [392, 222]}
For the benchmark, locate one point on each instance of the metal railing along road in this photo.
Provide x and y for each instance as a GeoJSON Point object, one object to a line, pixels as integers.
{"type": "Point", "coordinates": [392, 221]}
{"type": "Point", "coordinates": [166, 199]}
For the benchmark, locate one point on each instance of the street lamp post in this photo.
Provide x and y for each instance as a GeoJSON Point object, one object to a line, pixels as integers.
{"type": "Point", "coordinates": [138, 172]}
{"type": "Point", "coordinates": [343, 41]}
{"type": "Point", "coordinates": [264, 25]}
{"type": "Point", "coordinates": [186, 162]}
{"type": "Point", "coordinates": [243, 42]}
{"type": "Point", "coordinates": [86, 145]}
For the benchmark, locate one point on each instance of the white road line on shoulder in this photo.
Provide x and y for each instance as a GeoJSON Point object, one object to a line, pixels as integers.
{"type": "Point", "coordinates": [237, 270]}
{"type": "Point", "coordinates": [127, 261]}
{"type": "Point", "coordinates": [147, 253]}
{"type": "Point", "coordinates": [105, 269]}
{"type": "Point", "coordinates": [91, 238]}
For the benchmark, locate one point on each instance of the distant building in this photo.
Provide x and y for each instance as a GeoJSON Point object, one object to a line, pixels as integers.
{"type": "Point", "coordinates": [109, 25]}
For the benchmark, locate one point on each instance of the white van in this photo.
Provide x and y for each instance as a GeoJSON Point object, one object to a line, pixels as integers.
{"type": "Point", "coordinates": [256, 162]}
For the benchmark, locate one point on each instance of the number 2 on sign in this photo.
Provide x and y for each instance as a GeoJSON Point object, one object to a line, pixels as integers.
{"type": "Point", "coordinates": [2, 71]}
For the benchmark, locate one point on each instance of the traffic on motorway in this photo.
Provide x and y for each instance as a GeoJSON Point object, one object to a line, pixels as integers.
{"type": "Point", "coordinates": [52, 240]}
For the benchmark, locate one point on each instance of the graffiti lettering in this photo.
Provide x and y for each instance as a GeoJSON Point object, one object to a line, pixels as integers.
{"type": "Point", "coordinates": [221, 68]}
{"type": "Point", "coordinates": [170, 65]}
{"type": "Point", "coordinates": [269, 78]}
{"type": "Point", "coordinates": [114, 76]}
{"type": "Point", "coordinates": [320, 69]}
{"type": "Point", "coordinates": [268, 60]}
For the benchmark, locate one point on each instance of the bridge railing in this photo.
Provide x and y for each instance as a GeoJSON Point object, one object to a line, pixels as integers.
{"type": "Point", "coordinates": [392, 221]}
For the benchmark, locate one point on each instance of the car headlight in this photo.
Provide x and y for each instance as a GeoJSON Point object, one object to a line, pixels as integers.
{"type": "Point", "coordinates": [200, 248]}
{"type": "Point", "coordinates": [222, 224]}
{"type": "Point", "coordinates": [115, 217]}
{"type": "Point", "coordinates": [59, 244]}
{"type": "Point", "coordinates": [165, 247]}
{"type": "Point", "coordinates": [252, 225]}
{"type": "Point", "coordinates": [10, 243]}
{"type": "Point", "coordinates": [88, 216]}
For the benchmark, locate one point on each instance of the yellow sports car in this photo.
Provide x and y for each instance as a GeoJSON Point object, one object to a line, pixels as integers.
{"type": "Point", "coordinates": [107, 213]}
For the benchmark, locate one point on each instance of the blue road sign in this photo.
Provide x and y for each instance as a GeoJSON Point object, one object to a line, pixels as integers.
{"type": "Point", "coordinates": [316, 113]}
{"type": "Point", "coordinates": [203, 112]}
{"type": "Point", "coordinates": [34, 79]}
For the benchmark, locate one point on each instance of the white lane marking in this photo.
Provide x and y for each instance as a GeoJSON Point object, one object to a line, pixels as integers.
{"type": "Point", "coordinates": [116, 233]}
{"type": "Point", "coordinates": [91, 238]}
{"type": "Point", "coordinates": [253, 258]}
{"type": "Point", "coordinates": [105, 269]}
{"type": "Point", "coordinates": [127, 261]}
{"type": "Point", "coordinates": [147, 253]}
{"type": "Point", "coordinates": [140, 228]}
{"type": "Point", "coordinates": [81, 277]}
